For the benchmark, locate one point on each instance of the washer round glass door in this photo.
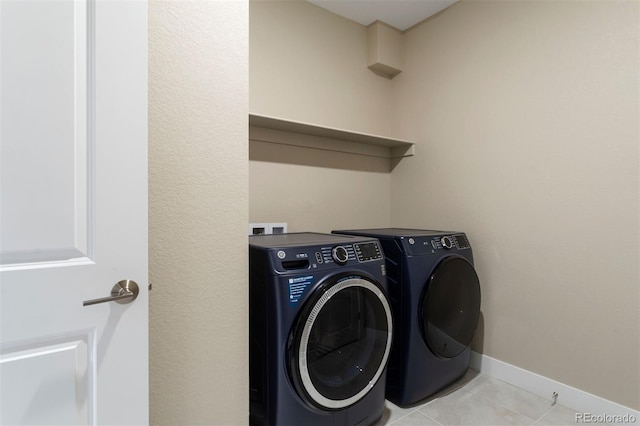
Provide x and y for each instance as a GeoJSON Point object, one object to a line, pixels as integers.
{"type": "Point", "coordinates": [340, 346]}
{"type": "Point", "coordinates": [450, 307]}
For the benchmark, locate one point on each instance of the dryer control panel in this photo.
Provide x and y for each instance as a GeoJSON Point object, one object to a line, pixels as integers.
{"type": "Point", "coordinates": [448, 242]}
{"type": "Point", "coordinates": [436, 243]}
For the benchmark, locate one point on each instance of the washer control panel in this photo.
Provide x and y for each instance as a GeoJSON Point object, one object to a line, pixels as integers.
{"type": "Point", "coordinates": [368, 251]}
{"type": "Point", "coordinates": [341, 254]}
{"type": "Point", "coordinates": [298, 252]}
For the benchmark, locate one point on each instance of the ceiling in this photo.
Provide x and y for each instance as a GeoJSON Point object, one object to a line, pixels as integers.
{"type": "Point", "coordinates": [400, 14]}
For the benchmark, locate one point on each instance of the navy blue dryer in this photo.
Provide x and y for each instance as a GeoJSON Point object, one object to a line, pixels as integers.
{"type": "Point", "coordinates": [320, 328]}
{"type": "Point", "coordinates": [435, 298]}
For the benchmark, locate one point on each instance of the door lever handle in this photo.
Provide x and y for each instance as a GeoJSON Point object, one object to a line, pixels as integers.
{"type": "Point", "coordinates": [124, 291]}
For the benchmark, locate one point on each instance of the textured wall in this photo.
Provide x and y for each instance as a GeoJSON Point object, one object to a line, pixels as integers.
{"type": "Point", "coordinates": [314, 197]}
{"type": "Point", "coordinates": [308, 64]}
{"type": "Point", "coordinates": [527, 120]}
{"type": "Point", "coordinates": [198, 212]}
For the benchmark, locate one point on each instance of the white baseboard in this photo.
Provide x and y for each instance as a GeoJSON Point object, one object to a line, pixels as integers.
{"type": "Point", "coordinates": [576, 399]}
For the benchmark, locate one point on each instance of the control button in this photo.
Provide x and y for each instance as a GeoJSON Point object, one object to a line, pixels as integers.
{"type": "Point", "coordinates": [281, 254]}
{"type": "Point", "coordinates": [461, 241]}
{"type": "Point", "coordinates": [446, 242]}
{"type": "Point", "coordinates": [318, 257]}
{"type": "Point", "coordinates": [340, 255]}
{"type": "Point", "coordinates": [412, 241]}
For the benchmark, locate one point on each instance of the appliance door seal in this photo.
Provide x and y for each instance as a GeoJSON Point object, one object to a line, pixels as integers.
{"type": "Point", "coordinates": [341, 344]}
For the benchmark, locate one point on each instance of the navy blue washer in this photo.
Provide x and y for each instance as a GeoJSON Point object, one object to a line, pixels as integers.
{"type": "Point", "coordinates": [320, 329]}
{"type": "Point", "coordinates": [435, 298]}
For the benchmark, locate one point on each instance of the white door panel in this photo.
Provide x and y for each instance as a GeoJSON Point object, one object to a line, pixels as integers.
{"type": "Point", "coordinates": [55, 375]}
{"type": "Point", "coordinates": [73, 211]}
{"type": "Point", "coordinates": [45, 65]}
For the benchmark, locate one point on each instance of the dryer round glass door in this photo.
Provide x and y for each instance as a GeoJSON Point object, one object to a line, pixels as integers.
{"type": "Point", "coordinates": [340, 345]}
{"type": "Point", "coordinates": [450, 307]}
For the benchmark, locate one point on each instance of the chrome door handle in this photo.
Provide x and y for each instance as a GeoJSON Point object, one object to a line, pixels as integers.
{"type": "Point", "coordinates": [124, 291]}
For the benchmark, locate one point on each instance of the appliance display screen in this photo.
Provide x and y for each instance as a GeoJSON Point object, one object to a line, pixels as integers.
{"type": "Point", "coordinates": [368, 251]}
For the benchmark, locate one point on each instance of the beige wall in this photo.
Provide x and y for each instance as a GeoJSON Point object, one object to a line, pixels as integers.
{"type": "Point", "coordinates": [526, 119]}
{"type": "Point", "coordinates": [198, 181]}
{"type": "Point", "coordinates": [526, 116]}
{"type": "Point", "coordinates": [317, 195]}
{"type": "Point", "coordinates": [307, 64]}
{"type": "Point", "coordinates": [310, 65]}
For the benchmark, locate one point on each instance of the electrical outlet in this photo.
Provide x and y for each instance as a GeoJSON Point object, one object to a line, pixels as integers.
{"type": "Point", "coordinates": [259, 228]}
{"type": "Point", "coordinates": [278, 228]}
{"type": "Point", "coordinates": [267, 228]}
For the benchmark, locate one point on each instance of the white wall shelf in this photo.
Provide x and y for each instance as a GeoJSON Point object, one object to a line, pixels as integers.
{"type": "Point", "coordinates": [281, 131]}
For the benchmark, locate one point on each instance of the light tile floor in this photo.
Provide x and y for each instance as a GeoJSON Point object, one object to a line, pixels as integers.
{"type": "Point", "coordinates": [477, 399]}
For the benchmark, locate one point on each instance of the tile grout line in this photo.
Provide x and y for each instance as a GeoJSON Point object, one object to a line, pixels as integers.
{"type": "Point", "coordinates": [542, 417]}
{"type": "Point", "coordinates": [509, 409]}
{"type": "Point", "coordinates": [413, 410]}
{"type": "Point", "coordinates": [398, 419]}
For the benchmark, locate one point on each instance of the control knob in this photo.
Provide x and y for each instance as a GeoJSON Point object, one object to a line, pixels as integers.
{"type": "Point", "coordinates": [340, 255]}
{"type": "Point", "coordinates": [446, 242]}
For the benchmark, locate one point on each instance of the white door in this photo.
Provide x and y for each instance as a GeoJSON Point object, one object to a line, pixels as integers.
{"type": "Point", "coordinates": [73, 211]}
